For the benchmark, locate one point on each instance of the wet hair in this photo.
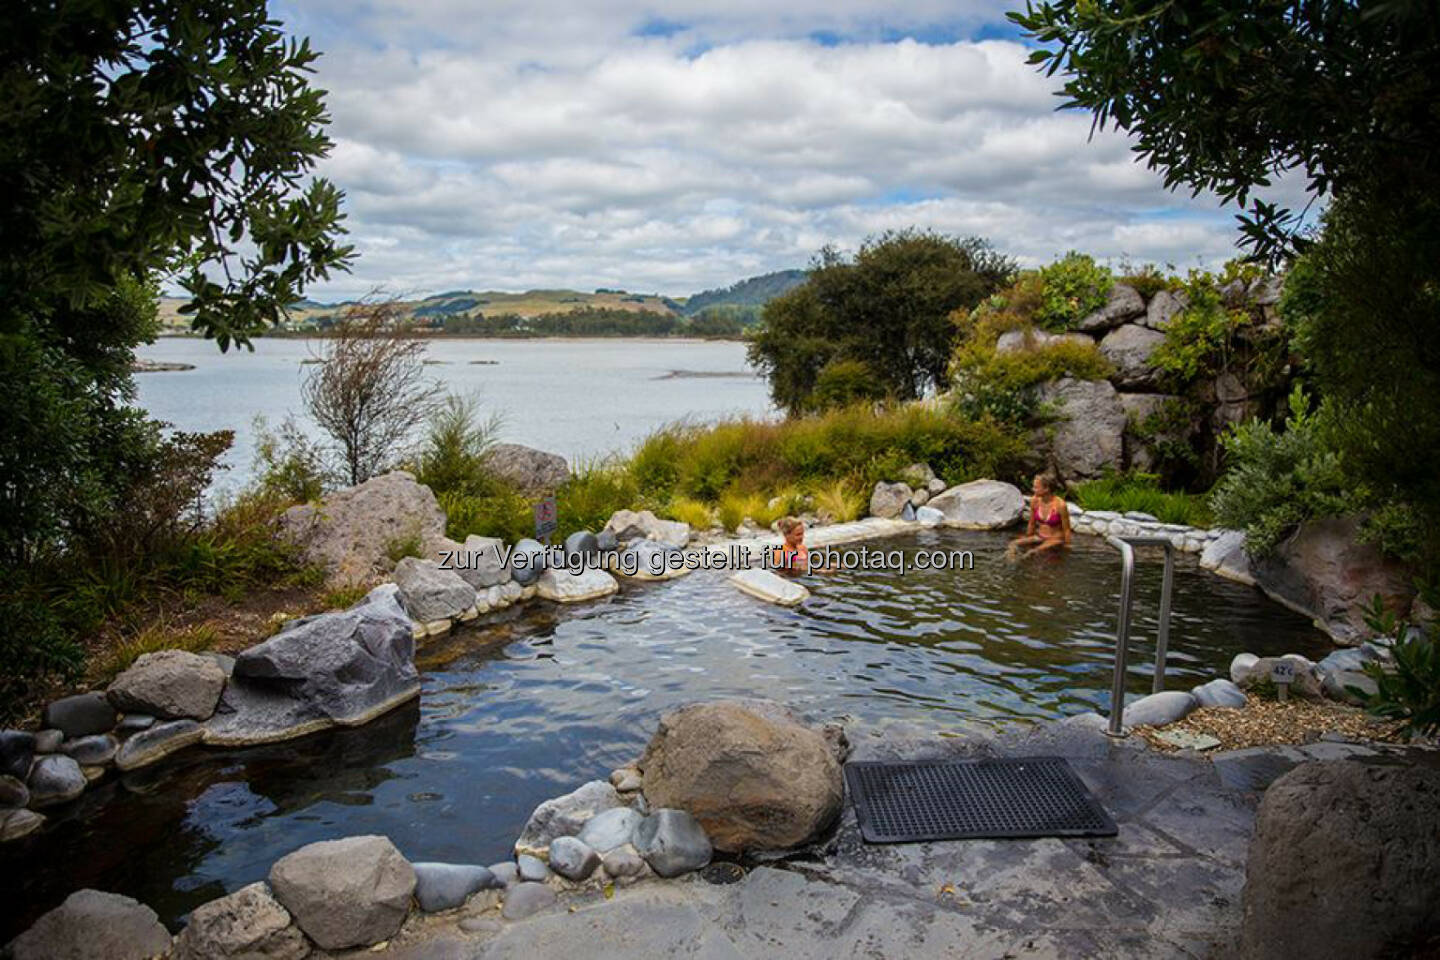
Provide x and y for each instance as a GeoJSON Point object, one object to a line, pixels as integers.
{"type": "Point", "coordinates": [786, 524]}
{"type": "Point", "coordinates": [1048, 481]}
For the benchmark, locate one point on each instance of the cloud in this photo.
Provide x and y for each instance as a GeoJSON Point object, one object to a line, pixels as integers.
{"type": "Point", "coordinates": [556, 144]}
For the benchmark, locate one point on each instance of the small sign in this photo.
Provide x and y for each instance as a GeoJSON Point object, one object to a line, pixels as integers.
{"type": "Point", "coordinates": [1282, 674]}
{"type": "Point", "coordinates": [547, 518]}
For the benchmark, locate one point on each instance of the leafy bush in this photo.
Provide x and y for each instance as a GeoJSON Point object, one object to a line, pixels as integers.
{"type": "Point", "coordinates": [1071, 288]}
{"type": "Point", "coordinates": [700, 515]}
{"type": "Point", "coordinates": [1141, 491]}
{"type": "Point", "coordinates": [735, 507]}
{"type": "Point", "coordinates": [593, 492]}
{"type": "Point", "coordinates": [288, 463]}
{"type": "Point", "coordinates": [840, 502]}
{"type": "Point", "coordinates": [457, 440]}
{"type": "Point", "coordinates": [1410, 689]}
{"type": "Point", "coordinates": [841, 383]}
{"type": "Point", "coordinates": [1000, 385]}
{"type": "Point", "coordinates": [1204, 339]}
{"type": "Point", "coordinates": [1147, 281]}
{"type": "Point", "coordinates": [504, 514]}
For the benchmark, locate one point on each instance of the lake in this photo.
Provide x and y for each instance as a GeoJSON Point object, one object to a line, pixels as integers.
{"type": "Point", "coordinates": [582, 399]}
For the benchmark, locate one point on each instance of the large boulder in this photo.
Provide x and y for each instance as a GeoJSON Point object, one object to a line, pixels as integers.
{"type": "Point", "coordinates": [1163, 307]}
{"type": "Point", "coordinates": [352, 532]}
{"type": "Point", "coordinates": [345, 893]}
{"type": "Point", "coordinates": [481, 562]}
{"type": "Point", "coordinates": [532, 472]}
{"type": "Point", "coordinates": [565, 817]}
{"type": "Point", "coordinates": [94, 925]}
{"type": "Point", "coordinates": [644, 525]}
{"type": "Point", "coordinates": [430, 592]}
{"type": "Point", "coordinates": [1088, 435]}
{"type": "Point", "coordinates": [80, 715]}
{"type": "Point", "coordinates": [1129, 349]}
{"type": "Point", "coordinates": [249, 924]}
{"type": "Point", "coordinates": [564, 586]}
{"type": "Point", "coordinates": [889, 500]}
{"type": "Point", "coordinates": [1143, 434]}
{"type": "Point", "coordinates": [1345, 862]}
{"type": "Point", "coordinates": [172, 684]}
{"type": "Point", "coordinates": [1018, 341]}
{"type": "Point", "coordinates": [342, 668]}
{"type": "Point", "coordinates": [1124, 303]}
{"type": "Point", "coordinates": [980, 505]}
{"type": "Point", "coordinates": [753, 775]}
{"type": "Point", "coordinates": [1227, 557]}
{"type": "Point", "coordinates": [1328, 574]}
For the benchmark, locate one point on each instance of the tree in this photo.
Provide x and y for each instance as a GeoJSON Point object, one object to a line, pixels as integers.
{"type": "Point", "coordinates": [138, 138]}
{"type": "Point", "coordinates": [888, 309]}
{"type": "Point", "coordinates": [369, 393]}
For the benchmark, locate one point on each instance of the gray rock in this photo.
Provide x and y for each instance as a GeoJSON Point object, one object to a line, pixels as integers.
{"type": "Point", "coordinates": [248, 924]}
{"type": "Point", "coordinates": [1163, 306]}
{"type": "Point", "coordinates": [1343, 676]}
{"type": "Point", "coordinates": [1227, 557]}
{"type": "Point", "coordinates": [1344, 862]}
{"type": "Point", "coordinates": [626, 780]}
{"type": "Point", "coordinates": [672, 842]}
{"type": "Point", "coordinates": [429, 592]}
{"type": "Point", "coordinates": [342, 668]}
{"type": "Point", "coordinates": [644, 525]}
{"type": "Point", "coordinates": [133, 722]}
{"type": "Point", "coordinates": [1016, 341]}
{"type": "Point", "coordinates": [49, 741]}
{"type": "Point", "coordinates": [351, 533]}
{"type": "Point", "coordinates": [525, 899]}
{"type": "Point", "coordinates": [572, 859]}
{"type": "Point", "coordinates": [531, 868]}
{"type": "Point", "coordinates": [1129, 349]}
{"type": "Point", "coordinates": [936, 485]}
{"type": "Point", "coordinates": [928, 516]}
{"type": "Point", "coordinates": [157, 743]}
{"type": "Point", "coordinates": [91, 925]}
{"type": "Point", "coordinates": [345, 893]}
{"type": "Point", "coordinates": [907, 512]}
{"type": "Point", "coordinates": [479, 561]}
{"type": "Point", "coordinates": [1124, 303]}
{"type": "Point", "coordinates": [445, 886]}
{"type": "Point", "coordinates": [173, 684]}
{"type": "Point", "coordinates": [1142, 437]}
{"type": "Point", "coordinates": [1141, 516]}
{"type": "Point", "coordinates": [920, 497]}
{"type": "Point", "coordinates": [533, 472]}
{"type": "Point", "coordinates": [980, 505]}
{"type": "Point", "coordinates": [1265, 291]}
{"type": "Point", "coordinates": [888, 500]}
{"type": "Point", "coordinates": [1159, 709]}
{"type": "Point", "coordinates": [1306, 684]}
{"type": "Point", "coordinates": [15, 824]}
{"type": "Point", "coordinates": [623, 862]}
{"type": "Point", "coordinates": [55, 778]}
{"type": "Point", "coordinates": [80, 715]}
{"type": "Point", "coordinates": [92, 751]}
{"type": "Point", "coordinates": [527, 561]}
{"type": "Point", "coordinates": [651, 561]}
{"type": "Point", "coordinates": [13, 792]}
{"type": "Point", "coordinates": [17, 750]}
{"type": "Point", "coordinates": [607, 542]}
{"type": "Point", "coordinates": [584, 545]}
{"type": "Point", "coordinates": [918, 475]}
{"type": "Point", "coordinates": [609, 829]}
{"type": "Point", "coordinates": [1087, 437]}
{"type": "Point", "coordinates": [563, 586]}
{"type": "Point", "coordinates": [506, 872]}
{"type": "Point", "coordinates": [1219, 693]}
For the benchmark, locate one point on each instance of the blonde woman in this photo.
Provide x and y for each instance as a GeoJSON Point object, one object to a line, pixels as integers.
{"type": "Point", "coordinates": [1049, 527]}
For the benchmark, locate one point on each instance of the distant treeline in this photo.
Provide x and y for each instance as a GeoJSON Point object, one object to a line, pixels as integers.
{"type": "Point", "coordinates": [592, 322]}
{"type": "Point", "coordinates": [753, 293]}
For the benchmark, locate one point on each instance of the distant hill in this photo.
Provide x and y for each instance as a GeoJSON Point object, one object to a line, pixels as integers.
{"type": "Point", "coordinates": [754, 292]}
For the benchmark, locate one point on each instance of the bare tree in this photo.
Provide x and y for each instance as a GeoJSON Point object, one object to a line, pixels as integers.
{"type": "Point", "coordinates": [370, 393]}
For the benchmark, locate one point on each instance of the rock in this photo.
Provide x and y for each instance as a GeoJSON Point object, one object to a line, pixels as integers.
{"type": "Point", "coordinates": [47, 741]}
{"type": "Point", "coordinates": [928, 516]}
{"type": "Point", "coordinates": [505, 872]}
{"type": "Point", "coordinates": [55, 778]}
{"type": "Point", "coordinates": [1163, 306]}
{"type": "Point", "coordinates": [527, 561]}
{"type": "Point", "coordinates": [920, 497]}
{"type": "Point", "coordinates": [1241, 665]}
{"type": "Point", "coordinates": [92, 751]}
{"type": "Point", "coordinates": [572, 858]}
{"type": "Point", "coordinates": [345, 893]}
{"type": "Point", "coordinates": [93, 773]}
{"type": "Point", "coordinates": [430, 592]}
{"type": "Point", "coordinates": [648, 560]}
{"type": "Point", "coordinates": [92, 925]}
{"type": "Point", "coordinates": [1219, 693]}
{"type": "Point", "coordinates": [1018, 341]}
{"type": "Point", "coordinates": [1158, 709]}
{"type": "Point", "coordinates": [753, 775]}
{"type": "Point", "coordinates": [1129, 348]}
{"type": "Point", "coordinates": [1227, 557]}
{"type": "Point", "coordinates": [917, 475]}
{"type": "Point", "coordinates": [1142, 434]}
{"type": "Point", "coordinates": [1343, 670]}
{"type": "Point", "coordinates": [173, 684]}
{"type": "Point", "coordinates": [607, 541]}
{"type": "Point", "coordinates": [351, 533]}
{"type": "Point", "coordinates": [15, 824]}
{"type": "Point", "coordinates": [565, 817]}
{"type": "Point", "coordinates": [888, 500]}
{"type": "Point", "coordinates": [13, 792]}
{"type": "Point", "coordinates": [1306, 684]}
{"type": "Point", "coordinates": [610, 829]}
{"type": "Point", "coordinates": [770, 586]}
{"type": "Point", "coordinates": [584, 545]}
{"type": "Point", "coordinates": [1124, 303]}
{"type": "Point", "coordinates": [479, 561]}
{"type": "Point", "coordinates": [525, 899]}
{"type": "Point", "coordinates": [135, 722]}
{"type": "Point", "coordinates": [1326, 572]}
{"type": "Point", "coordinates": [81, 715]}
{"type": "Point", "coordinates": [672, 842]}
{"type": "Point", "coordinates": [17, 750]}
{"type": "Point", "coordinates": [533, 869]}
{"type": "Point", "coordinates": [980, 505]}
{"type": "Point", "coordinates": [1265, 291]}
{"type": "Point", "coordinates": [632, 525]}
{"type": "Point", "coordinates": [445, 886]}
{"type": "Point", "coordinates": [157, 743]}
{"type": "Point", "coordinates": [623, 862]}
{"type": "Point", "coordinates": [342, 668]}
{"type": "Point", "coordinates": [1087, 437]}
{"type": "Point", "coordinates": [533, 472]}
{"type": "Point", "coordinates": [249, 924]}
{"type": "Point", "coordinates": [1344, 863]}
{"type": "Point", "coordinates": [626, 779]}
{"type": "Point", "coordinates": [936, 486]}
{"type": "Point", "coordinates": [907, 512]}
{"type": "Point", "coordinates": [1140, 516]}
{"type": "Point", "coordinates": [563, 586]}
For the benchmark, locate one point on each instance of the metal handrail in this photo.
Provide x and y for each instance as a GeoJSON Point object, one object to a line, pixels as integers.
{"type": "Point", "coordinates": [1126, 547]}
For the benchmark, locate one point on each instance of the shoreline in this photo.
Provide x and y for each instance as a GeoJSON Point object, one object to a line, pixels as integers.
{"type": "Point", "coordinates": [467, 337]}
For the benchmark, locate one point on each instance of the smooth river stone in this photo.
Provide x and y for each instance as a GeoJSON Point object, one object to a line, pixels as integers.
{"type": "Point", "coordinates": [13, 792]}
{"type": "Point", "coordinates": [15, 824]}
{"type": "Point", "coordinates": [770, 587]}
{"type": "Point", "coordinates": [523, 899]}
{"type": "Point", "coordinates": [445, 886]}
{"type": "Point", "coordinates": [161, 740]}
{"type": "Point", "coordinates": [81, 715]}
{"type": "Point", "coordinates": [672, 842]}
{"type": "Point", "coordinates": [17, 749]}
{"type": "Point", "coordinates": [49, 741]}
{"type": "Point", "coordinates": [506, 872]}
{"type": "Point", "coordinates": [95, 751]}
{"type": "Point", "coordinates": [532, 868]}
{"type": "Point", "coordinates": [610, 829]}
{"type": "Point", "coordinates": [55, 778]}
{"type": "Point", "coordinates": [572, 859]}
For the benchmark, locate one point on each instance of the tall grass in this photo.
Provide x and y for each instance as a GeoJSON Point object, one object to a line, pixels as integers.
{"type": "Point", "coordinates": [1141, 492]}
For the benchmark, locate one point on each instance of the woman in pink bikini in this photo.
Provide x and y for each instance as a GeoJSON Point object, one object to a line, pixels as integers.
{"type": "Point", "coordinates": [1049, 520]}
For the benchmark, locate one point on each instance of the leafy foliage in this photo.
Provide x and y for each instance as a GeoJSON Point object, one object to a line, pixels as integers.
{"type": "Point", "coordinates": [1142, 492]}
{"type": "Point", "coordinates": [1071, 288]}
{"type": "Point", "coordinates": [751, 292]}
{"type": "Point", "coordinates": [1408, 689]}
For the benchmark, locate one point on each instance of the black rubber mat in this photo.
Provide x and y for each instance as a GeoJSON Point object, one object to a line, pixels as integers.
{"type": "Point", "coordinates": [973, 799]}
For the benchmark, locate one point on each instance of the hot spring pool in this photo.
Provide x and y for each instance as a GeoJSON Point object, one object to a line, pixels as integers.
{"type": "Point", "coordinates": [516, 709]}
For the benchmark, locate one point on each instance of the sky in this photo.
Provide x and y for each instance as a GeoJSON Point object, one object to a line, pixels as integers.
{"type": "Point", "coordinates": [564, 143]}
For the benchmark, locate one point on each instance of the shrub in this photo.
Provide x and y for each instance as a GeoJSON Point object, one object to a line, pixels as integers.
{"type": "Point", "coordinates": [1141, 491]}
{"type": "Point", "coordinates": [1410, 690]}
{"type": "Point", "coordinates": [841, 383]}
{"type": "Point", "coordinates": [594, 492]}
{"type": "Point", "coordinates": [504, 514]}
{"type": "Point", "coordinates": [840, 502]}
{"type": "Point", "coordinates": [457, 440]}
{"type": "Point", "coordinates": [1071, 288]}
{"type": "Point", "coordinates": [700, 515]}
{"type": "Point", "coordinates": [986, 382]}
{"type": "Point", "coordinates": [735, 507]}
{"type": "Point", "coordinates": [288, 463]}
{"type": "Point", "coordinates": [1147, 281]}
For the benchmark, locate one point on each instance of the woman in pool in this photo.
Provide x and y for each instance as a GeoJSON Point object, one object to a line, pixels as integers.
{"type": "Point", "coordinates": [1049, 527]}
{"type": "Point", "coordinates": [791, 556]}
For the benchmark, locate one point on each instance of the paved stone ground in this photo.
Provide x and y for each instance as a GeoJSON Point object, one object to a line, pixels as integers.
{"type": "Point", "coordinates": [1169, 885]}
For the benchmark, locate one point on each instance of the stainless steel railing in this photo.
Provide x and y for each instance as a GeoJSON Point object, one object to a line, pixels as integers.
{"type": "Point", "coordinates": [1126, 547]}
